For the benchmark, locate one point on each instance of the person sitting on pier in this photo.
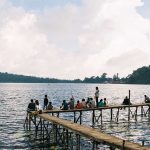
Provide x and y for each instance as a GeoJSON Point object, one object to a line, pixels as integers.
{"type": "Point", "coordinates": [71, 103]}
{"type": "Point", "coordinates": [84, 103]}
{"type": "Point", "coordinates": [91, 103]}
{"type": "Point", "coordinates": [87, 101]}
{"type": "Point", "coordinates": [64, 105]}
{"type": "Point", "coordinates": [105, 102]}
{"type": "Point", "coordinates": [101, 103]}
{"type": "Point", "coordinates": [37, 105]}
{"type": "Point", "coordinates": [31, 106]}
{"type": "Point", "coordinates": [50, 106]}
{"type": "Point", "coordinates": [78, 105]}
{"type": "Point", "coordinates": [147, 99]}
{"type": "Point", "coordinates": [126, 101]}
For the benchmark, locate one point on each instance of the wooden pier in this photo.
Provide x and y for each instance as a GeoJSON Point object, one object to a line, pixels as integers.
{"type": "Point", "coordinates": [48, 123]}
{"type": "Point", "coordinates": [93, 134]}
{"type": "Point", "coordinates": [97, 113]}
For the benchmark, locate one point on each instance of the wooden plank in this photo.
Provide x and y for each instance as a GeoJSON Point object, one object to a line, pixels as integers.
{"type": "Point", "coordinates": [93, 133]}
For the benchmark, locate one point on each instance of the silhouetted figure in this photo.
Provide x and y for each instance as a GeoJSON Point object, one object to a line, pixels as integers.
{"type": "Point", "coordinates": [31, 106]}
{"type": "Point", "coordinates": [45, 102]}
{"type": "Point", "coordinates": [96, 96]}
{"type": "Point", "coordinates": [126, 101]}
{"type": "Point", "coordinates": [147, 99]}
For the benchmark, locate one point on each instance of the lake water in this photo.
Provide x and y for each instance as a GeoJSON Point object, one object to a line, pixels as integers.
{"type": "Point", "coordinates": [14, 99]}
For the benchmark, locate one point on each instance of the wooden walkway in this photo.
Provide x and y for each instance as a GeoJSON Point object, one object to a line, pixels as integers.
{"type": "Point", "coordinates": [98, 115]}
{"type": "Point", "coordinates": [93, 133]}
{"type": "Point", "coordinates": [99, 108]}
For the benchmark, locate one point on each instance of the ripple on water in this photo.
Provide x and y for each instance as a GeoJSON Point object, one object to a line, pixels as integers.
{"type": "Point", "coordinates": [15, 98]}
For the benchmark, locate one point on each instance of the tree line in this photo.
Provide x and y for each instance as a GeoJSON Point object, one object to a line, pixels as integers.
{"type": "Point", "coordinates": [139, 76]}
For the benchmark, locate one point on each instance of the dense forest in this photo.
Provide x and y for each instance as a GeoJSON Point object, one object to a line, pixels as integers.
{"type": "Point", "coordinates": [13, 78]}
{"type": "Point", "coordinates": [139, 76]}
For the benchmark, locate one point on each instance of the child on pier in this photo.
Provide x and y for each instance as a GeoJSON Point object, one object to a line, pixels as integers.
{"type": "Point", "coordinates": [50, 106]}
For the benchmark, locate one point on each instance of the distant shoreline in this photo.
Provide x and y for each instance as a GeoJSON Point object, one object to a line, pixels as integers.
{"type": "Point", "coordinates": [139, 76]}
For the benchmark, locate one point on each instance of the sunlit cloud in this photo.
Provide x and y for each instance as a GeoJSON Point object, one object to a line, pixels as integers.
{"type": "Point", "coordinates": [74, 41]}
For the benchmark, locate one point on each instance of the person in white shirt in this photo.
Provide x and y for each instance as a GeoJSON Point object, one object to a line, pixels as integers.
{"type": "Point", "coordinates": [96, 96]}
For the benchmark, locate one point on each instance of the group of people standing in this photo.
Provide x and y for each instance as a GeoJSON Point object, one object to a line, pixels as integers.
{"type": "Point", "coordinates": [34, 105]}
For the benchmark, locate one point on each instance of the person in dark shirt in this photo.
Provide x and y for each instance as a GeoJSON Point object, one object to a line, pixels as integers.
{"type": "Point", "coordinates": [64, 105]}
{"type": "Point", "coordinates": [45, 102]}
{"type": "Point", "coordinates": [31, 106]}
{"type": "Point", "coordinates": [126, 101]}
{"type": "Point", "coordinates": [147, 99]}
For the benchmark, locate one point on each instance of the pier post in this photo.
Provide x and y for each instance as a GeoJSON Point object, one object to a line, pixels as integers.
{"type": "Point", "coordinates": [78, 142]}
{"type": "Point", "coordinates": [123, 145]}
{"type": "Point", "coordinates": [35, 122]}
{"type": "Point", "coordinates": [148, 111]}
{"type": "Point", "coordinates": [43, 131]}
{"type": "Point", "coordinates": [136, 113]}
{"type": "Point", "coordinates": [143, 143]}
{"type": "Point", "coordinates": [93, 118]}
{"type": "Point", "coordinates": [29, 121]}
{"type": "Point", "coordinates": [142, 111]}
{"type": "Point", "coordinates": [129, 108]}
{"type": "Point", "coordinates": [80, 117]}
{"type": "Point", "coordinates": [111, 114]}
{"type": "Point", "coordinates": [74, 117]}
{"type": "Point", "coordinates": [101, 118]}
{"type": "Point", "coordinates": [41, 126]}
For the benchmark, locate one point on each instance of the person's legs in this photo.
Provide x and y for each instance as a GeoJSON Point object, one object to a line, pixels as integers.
{"type": "Point", "coordinates": [96, 101]}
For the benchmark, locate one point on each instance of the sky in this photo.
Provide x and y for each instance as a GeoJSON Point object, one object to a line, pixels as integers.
{"type": "Point", "coordinates": [70, 39]}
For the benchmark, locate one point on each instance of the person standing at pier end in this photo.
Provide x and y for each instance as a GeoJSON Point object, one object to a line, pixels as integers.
{"type": "Point", "coordinates": [45, 102]}
{"type": "Point", "coordinates": [96, 96]}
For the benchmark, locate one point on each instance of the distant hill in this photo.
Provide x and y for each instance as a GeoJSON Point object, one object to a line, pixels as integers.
{"type": "Point", "coordinates": [14, 78]}
{"type": "Point", "coordinates": [139, 76]}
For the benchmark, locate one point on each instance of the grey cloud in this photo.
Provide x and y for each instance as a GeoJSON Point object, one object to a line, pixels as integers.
{"type": "Point", "coordinates": [128, 61]}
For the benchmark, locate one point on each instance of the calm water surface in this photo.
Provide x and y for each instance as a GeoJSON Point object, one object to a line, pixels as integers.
{"type": "Point", "coordinates": [14, 99]}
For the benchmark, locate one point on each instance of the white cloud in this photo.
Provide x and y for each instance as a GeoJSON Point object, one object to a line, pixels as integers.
{"type": "Point", "coordinates": [128, 60]}
{"type": "Point", "coordinates": [74, 41]}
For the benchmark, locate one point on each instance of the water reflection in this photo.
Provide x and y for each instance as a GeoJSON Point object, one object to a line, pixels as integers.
{"type": "Point", "coordinates": [14, 99]}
